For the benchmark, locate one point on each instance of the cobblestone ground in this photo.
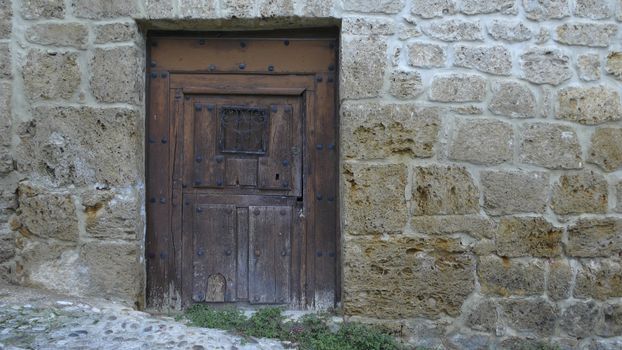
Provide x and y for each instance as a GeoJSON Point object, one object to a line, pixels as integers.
{"type": "Point", "coordinates": [32, 319]}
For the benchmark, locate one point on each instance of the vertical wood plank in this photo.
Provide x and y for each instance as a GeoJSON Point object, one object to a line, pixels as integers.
{"type": "Point", "coordinates": [282, 260]}
{"type": "Point", "coordinates": [176, 154]}
{"type": "Point", "coordinates": [275, 168]}
{"type": "Point", "coordinates": [262, 288]}
{"type": "Point", "coordinates": [242, 270]}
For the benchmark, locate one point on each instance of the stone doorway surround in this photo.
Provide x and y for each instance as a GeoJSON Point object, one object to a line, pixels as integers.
{"type": "Point", "coordinates": [481, 173]}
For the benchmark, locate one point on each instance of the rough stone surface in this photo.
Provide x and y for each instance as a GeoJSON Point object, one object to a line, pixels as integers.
{"type": "Point", "coordinates": [200, 8]}
{"type": "Point", "coordinates": [165, 9]}
{"type": "Point", "coordinates": [580, 318]}
{"type": "Point", "coordinates": [613, 65]}
{"type": "Point", "coordinates": [70, 34]}
{"type": "Point", "coordinates": [528, 236]}
{"type": "Point", "coordinates": [455, 30]}
{"type": "Point", "coordinates": [51, 75]}
{"type": "Point", "coordinates": [363, 65]}
{"type": "Point", "coordinates": [115, 77]}
{"type": "Point", "coordinates": [545, 66]}
{"type": "Point", "coordinates": [586, 34]}
{"type": "Point", "coordinates": [589, 105]}
{"type": "Point", "coordinates": [473, 225]}
{"type": "Point", "coordinates": [367, 26]}
{"type": "Point", "coordinates": [551, 146]}
{"type": "Point", "coordinates": [509, 31]}
{"type": "Point", "coordinates": [512, 99]}
{"type": "Point", "coordinates": [482, 142]}
{"type": "Point", "coordinates": [457, 87]}
{"type": "Point", "coordinates": [406, 84]}
{"type": "Point", "coordinates": [5, 61]}
{"type": "Point", "coordinates": [6, 14]}
{"type": "Point", "coordinates": [474, 7]}
{"type": "Point", "coordinates": [373, 130]}
{"type": "Point", "coordinates": [593, 9]}
{"type": "Point", "coordinates": [559, 279]}
{"type": "Point", "coordinates": [95, 9]}
{"type": "Point", "coordinates": [588, 67]}
{"type": "Point", "coordinates": [584, 192]}
{"type": "Point", "coordinates": [426, 55]}
{"type": "Point", "coordinates": [505, 277]}
{"type": "Point", "coordinates": [483, 316]}
{"type": "Point", "coordinates": [618, 189]}
{"type": "Point", "coordinates": [509, 192]}
{"type": "Point", "coordinates": [112, 214]}
{"type": "Point", "coordinates": [39, 9]}
{"type": "Point", "coordinates": [115, 32]}
{"type": "Point", "coordinates": [443, 190]}
{"type": "Point", "coordinates": [599, 279]}
{"type": "Point", "coordinates": [382, 6]}
{"type": "Point", "coordinates": [489, 59]}
{"type": "Point", "coordinates": [433, 8]}
{"type": "Point", "coordinates": [530, 315]}
{"type": "Point", "coordinates": [612, 320]}
{"type": "Point", "coordinates": [539, 10]}
{"type": "Point", "coordinates": [594, 238]}
{"type": "Point", "coordinates": [367, 190]}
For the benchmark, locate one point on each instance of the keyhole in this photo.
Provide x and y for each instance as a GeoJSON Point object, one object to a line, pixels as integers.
{"type": "Point", "coordinates": [276, 177]}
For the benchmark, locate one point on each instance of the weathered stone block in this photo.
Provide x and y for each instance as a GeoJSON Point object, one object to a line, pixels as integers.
{"type": "Point", "coordinates": [276, 8]}
{"type": "Point", "coordinates": [473, 225]}
{"type": "Point", "coordinates": [595, 237]}
{"type": "Point", "coordinates": [613, 65]}
{"type": "Point", "coordinates": [580, 318]}
{"type": "Point", "coordinates": [405, 84]}
{"type": "Point", "coordinates": [7, 245]}
{"type": "Point", "coordinates": [489, 59]}
{"type": "Point", "coordinates": [606, 148]}
{"type": "Point", "coordinates": [433, 8]}
{"type": "Point", "coordinates": [482, 316]}
{"type": "Point", "coordinates": [38, 9]}
{"type": "Point", "coordinates": [599, 279]}
{"type": "Point", "coordinates": [375, 201]}
{"type": "Point", "coordinates": [45, 213]}
{"type": "Point", "coordinates": [542, 10]}
{"type": "Point", "coordinates": [576, 193]}
{"type": "Point", "coordinates": [364, 60]}
{"type": "Point", "coordinates": [457, 87]}
{"type": "Point", "coordinates": [443, 190]}
{"type": "Point", "coordinates": [604, 344]}
{"type": "Point", "coordinates": [112, 214]}
{"type": "Point", "coordinates": [545, 66]}
{"type": "Point", "coordinates": [58, 34]}
{"type": "Point", "coordinates": [371, 130]}
{"type": "Point", "coordinates": [367, 26]}
{"type": "Point", "coordinates": [505, 277]}
{"type": "Point", "coordinates": [611, 325]}
{"type": "Point", "coordinates": [559, 279]}
{"type": "Point", "coordinates": [589, 105]}
{"type": "Point", "coordinates": [408, 31]}
{"type": "Point", "coordinates": [6, 14]}
{"type": "Point", "coordinates": [6, 28]}
{"type": "Point", "coordinates": [377, 272]}
{"type": "Point", "coordinates": [319, 8]}
{"type": "Point", "coordinates": [482, 141]}
{"type": "Point", "coordinates": [164, 8]}
{"type": "Point", "coordinates": [96, 9]}
{"type": "Point", "coordinates": [381, 6]}
{"type": "Point", "coordinates": [530, 315]}
{"type": "Point", "coordinates": [509, 192]}
{"type": "Point", "coordinates": [5, 61]}
{"type": "Point", "coordinates": [426, 55]}
{"type": "Point", "coordinates": [198, 8]}
{"type": "Point", "coordinates": [475, 7]}
{"type": "Point", "coordinates": [51, 75]}
{"type": "Point", "coordinates": [528, 236]}
{"type": "Point", "coordinates": [82, 145]}
{"type": "Point", "coordinates": [513, 100]}
{"type": "Point", "coordinates": [115, 32]}
{"type": "Point", "coordinates": [588, 67]}
{"type": "Point", "coordinates": [5, 113]}
{"type": "Point", "coordinates": [458, 340]}
{"type": "Point", "coordinates": [455, 30]}
{"type": "Point", "coordinates": [551, 146]}
{"type": "Point", "coordinates": [619, 196]}
{"type": "Point", "coordinates": [509, 31]}
{"type": "Point", "coordinates": [116, 74]}
{"type": "Point", "coordinates": [594, 9]}
{"type": "Point", "coordinates": [586, 34]}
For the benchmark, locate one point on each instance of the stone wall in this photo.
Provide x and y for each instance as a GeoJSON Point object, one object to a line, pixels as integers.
{"type": "Point", "coordinates": [481, 148]}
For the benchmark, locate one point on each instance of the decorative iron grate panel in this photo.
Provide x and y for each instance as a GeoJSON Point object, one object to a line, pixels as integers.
{"type": "Point", "coordinates": [243, 129]}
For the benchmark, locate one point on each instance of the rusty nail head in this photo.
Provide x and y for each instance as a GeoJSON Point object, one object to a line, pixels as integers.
{"type": "Point", "coordinates": [228, 252]}
{"type": "Point", "coordinates": [197, 106]}
{"type": "Point", "coordinates": [211, 67]}
{"type": "Point", "coordinates": [330, 79]}
{"type": "Point", "coordinates": [283, 253]}
{"type": "Point", "coordinates": [283, 212]}
{"type": "Point", "coordinates": [271, 68]}
{"type": "Point", "coordinates": [218, 182]}
{"type": "Point", "coordinates": [256, 212]}
{"type": "Point", "coordinates": [151, 140]}
{"type": "Point", "coordinates": [154, 75]}
{"type": "Point", "coordinates": [162, 255]}
{"type": "Point", "coordinates": [331, 146]}
{"type": "Point", "coordinates": [242, 66]}
{"type": "Point", "coordinates": [331, 67]}
{"type": "Point", "coordinates": [274, 108]}
{"type": "Point", "coordinates": [285, 162]}
{"type": "Point", "coordinates": [285, 184]}
{"type": "Point", "coordinates": [242, 44]}
{"type": "Point", "coordinates": [219, 159]}
{"type": "Point", "coordinates": [162, 200]}
{"type": "Point", "coordinates": [319, 146]}
{"type": "Point", "coordinates": [164, 140]}
{"type": "Point", "coordinates": [153, 63]}
{"type": "Point", "coordinates": [199, 209]}
{"type": "Point", "coordinates": [286, 42]}
{"type": "Point", "coordinates": [210, 107]}
{"type": "Point", "coordinates": [152, 200]}
{"type": "Point", "coordinates": [319, 254]}
{"type": "Point", "coordinates": [197, 182]}
{"type": "Point", "coordinates": [187, 203]}
{"type": "Point", "coordinates": [318, 196]}
{"type": "Point", "coordinates": [164, 74]}
{"type": "Point", "coordinates": [198, 159]}
{"type": "Point", "coordinates": [200, 252]}
{"type": "Point", "coordinates": [201, 41]}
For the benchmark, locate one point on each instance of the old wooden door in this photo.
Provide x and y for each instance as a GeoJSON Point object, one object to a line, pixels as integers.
{"type": "Point", "coordinates": [241, 170]}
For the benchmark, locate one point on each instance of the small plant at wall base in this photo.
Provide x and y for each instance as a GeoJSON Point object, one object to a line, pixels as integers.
{"type": "Point", "coordinates": [310, 332]}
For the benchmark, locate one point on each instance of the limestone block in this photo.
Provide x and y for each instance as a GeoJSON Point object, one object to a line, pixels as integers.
{"type": "Point", "coordinates": [540, 10]}
{"type": "Point", "coordinates": [512, 99]}
{"type": "Point", "coordinates": [51, 75]}
{"type": "Point", "coordinates": [408, 31]}
{"type": "Point", "coordinates": [371, 130]}
{"type": "Point", "coordinates": [613, 65]}
{"type": "Point", "coordinates": [611, 325]}
{"type": "Point", "coordinates": [318, 8]}
{"type": "Point", "coordinates": [586, 34]}
{"type": "Point", "coordinates": [374, 198]}
{"type": "Point", "coordinates": [576, 193]}
{"type": "Point", "coordinates": [589, 105]}
{"type": "Point", "coordinates": [482, 316]}
{"type": "Point", "coordinates": [599, 279]}
{"type": "Point", "coordinates": [545, 66]}
{"type": "Point", "coordinates": [6, 27]}
{"type": "Point", "coordinates": [457, 87]}
{"type": "Point", "coordinates": [475, 7]}
{"type": "Point", "coordinates": [604, 344]}
{"type": "Point", "coordinates": [509, 31]}
{"type": "Point", "coordinates": [580, 318]}
{"type": "Point", "coordinates": [6, 160]}
{"type": "Point", "coordinates": [116, 74]}
{"type": "Point", "coordinates": [112, 214]}
{"type": "Point", "coordinates": [433, 8]}
{"type": "Point", "coordinates": [380, 6]}
{"type": "Point", "coordinates": [530, 315]}
{"type": "Point", "coordinates": [5, 61]}
{"type": "Point", "coordinates": [467, 109]}
{"type": "Point", "coordinates": [489, 59]}
{"type": "Point", "coordinates": [595, 237]}
{"type": "Point", "coordinates": [455, 30]}
{"type": "Point", "coordinates": [426, 55]}
{"type": "Point", "coordinates": [58, 34]}
{"type": "Point", "coordinates": [559, 279]}
{"type": "Point", "coordinates": [473, 225]}
{"type": "Point", "coordinates": [192, 8]}
{"type": "Point", "coordinates": [46, 214]}
{"type": "Point", "coordinates": [482, 141]}
{"type": "Point", "coordinates": [588, 67]}
{"type": "Point", "coordinates": [378, 272]}
{"type": "Point", "coordinates": [82, 145]}
{"type": "Point", "coordinates": [363, 60]}
{"type": "Point", "coordinates": [97, 9]}
{"type": "Point", "coordinates": [509, 192]}
{"type": "Point", "coordinates": [115, 32]}
{"type": "Point", "coordinates": [593, 9]}
{"type": "Point", "coordinates": [443, 190]}
{"type": "Point", "coordinates": [164, 8]}
{"type": "Point", "coordinates": [406, 84]}
{"type": "Point", "coordinates": [505, 277]}
{"type": "Point", "coordinates": [606, 148]}
{"type": "Point", "coordinates": [466, 340]}
{"type": "Point", "coordinates": [551, 146]}
{"type": "Point", "coordinates": [7, 245]}
{"type": "Point", "coordinates": [367, 26]}
{"type": "Point", "coordinates": [276, 8]}
{"type": "Point", "coordinates": [39, 9]}
{"type": "Point", "coordinates": [619, 196]}
{"type": "Point", "coordinates": [528, 236]}
{"type": "Point", "coordinates": [6, 14]}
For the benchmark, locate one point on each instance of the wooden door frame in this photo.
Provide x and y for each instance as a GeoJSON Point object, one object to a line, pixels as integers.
{"type": "Point", "coordinates": [320, 151]}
